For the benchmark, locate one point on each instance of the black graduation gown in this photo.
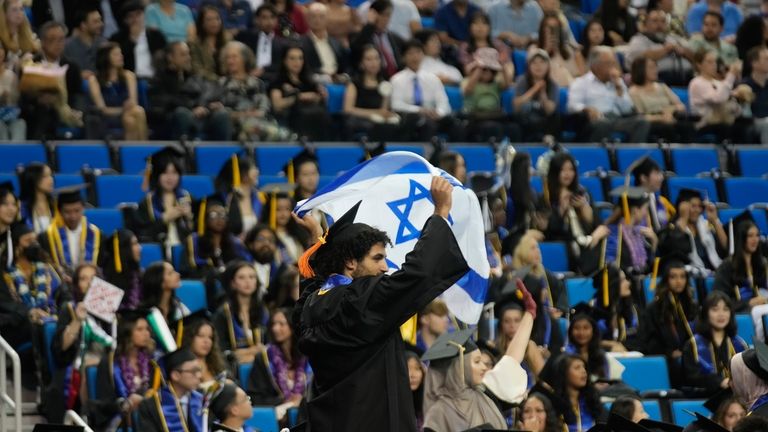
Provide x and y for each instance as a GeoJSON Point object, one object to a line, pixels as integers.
{"type": "Point", "coordinates": [351, 336]}
{"type": "Point", "coordinates": [736, 286]}
{"type": "Point", "coordinates": [148, 222]}
{"type": "Point", "coordinates": [656, 336]}
{"type": "Point", "coordinates": [54, 396]}
{"type": "Point", "coordinates": [262, 387]}
{"type": "Point", "coordinates": [159, 412]}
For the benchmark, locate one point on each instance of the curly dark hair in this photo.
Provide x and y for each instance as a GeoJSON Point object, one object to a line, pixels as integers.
{"type": "Point", "coordinates": [214, 360]}
{"type": "Point", "coordinates": [331, 258]}
{"type": "Point", "coordinates": [553, 423]}
{"type": "Point", "coordinates": [704, 327]}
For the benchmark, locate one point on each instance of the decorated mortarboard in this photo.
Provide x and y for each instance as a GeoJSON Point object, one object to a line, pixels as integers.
{"type": "Point", "coordinates": [756, 359]}
{"type": "Point", "coordinates": [659, 426]}
{"type": "Point", "coordinates": [450, 345]}
{"type": "Point", "coordinates": [173, 360]}
{"type": "Point", "coordinates": [70, 194]}
{"type": "Point", "coordinates": [160, 159]}
{"type": "Point", "coordinates": [222, 399]}
{"type": "Point", "coordinates": [717, 399]}
{"type": "Point", "coordinates": [703, 424]}
{"type": "Point", "coordinates": [291, 168]}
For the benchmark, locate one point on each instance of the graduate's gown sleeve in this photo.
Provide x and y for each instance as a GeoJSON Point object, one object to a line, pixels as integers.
{"type": "Point", "coordinates": [726, 281]}
{"type": "Point", "coordinates": [650, 333]}
{"type": "Point", "coordinates": [261, 386]}
{"type": "Point", "coordinates": [148, 417]}
{"type": "Point", "coordinates": [693, 376]}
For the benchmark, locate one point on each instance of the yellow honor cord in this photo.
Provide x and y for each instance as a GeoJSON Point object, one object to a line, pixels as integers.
{"type": "Point", "coordinates": [655, 273]}
{"type": "Point", "coordinates": [290, 173]}
{"type": "Point", "coordinates": [116, 253]}
{"type": "Point", "coordinates": [273, 210]}
{"type": "Point", "coordinates": [201, 217]}
{"type": "Point", "coordinates": [606, 300]}
{"type": "Point", "coordinates": [625, 208]}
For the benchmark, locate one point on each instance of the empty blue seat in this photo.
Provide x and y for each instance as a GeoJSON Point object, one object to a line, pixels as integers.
{"type": "Point", "coordinates": [692, 161]}
{"type": "Point", "coordinates": [72, 158]}
{"type": "Point", "coordinates": [537, 184]}
{"type": "Point", "coordinates": [477, 158]}
{"type": "Point", "coordinates": [455, 98]}
{"type": "Point", "coordinates": [112, 190]}
{"type": "Point", "coordinates": [151, 252]}
{"type": "Point", "coordinates": [91, 380]}
{"type": "Point", "coordinates": [645, 373]}
{"type": "Point", "coordinates": [507, 98]}
{"type": "Point", "coordinates": [64, 180]}
{"type": "Point", "coordinates": [49, 330]}
{"type": "Point", "coordinates": [745, 327]}
{"type": "Point", "coordinates": [263, 419]}
{"type": "Point", "coordinates": [335, 160]}
{"type": "Point", "coordinates": [272, 159]}
{"type": "Point", "coordinates": [626, 155]}
{"type": "Point", "coordinates": [244, 371]}
{"type": "Point", "coordinates": [192, 294]}
{"type": "Point", "coordinates": [679, 410]}
{"type": "Point", "coordinates": [107, 219]}
{"type": "Point", "coordinates": [594, 186]}
{"type": "Point", "coordinates": [324, 181]}
{"type": "Point", "coordinates": [335, 101]}
{"type": "Point", "coordinates": [210, 158]}
{"type": "Point", "coordinates": [198, 186]}
{"type": "Point", "coordinates": [519, 58]}
{"type": "Point", "coordinates": [743, 191]}
{"type": "Point", "coordinates": [554, 256]}
{"type": "Point", "coordinates": [706, 184]}
{"type": "Point", "coordinates": [133, 159]}
{"type": "Point", "coordinates": [591, 158]}
{"type": "Point", "coordinates": [682, 93]}
{"type": "Point", "coordinates": [753, 162]}
{"type": "Point", "coordinates": [579, 290]}
{"type": "Point", "coordinates": [13, 155]}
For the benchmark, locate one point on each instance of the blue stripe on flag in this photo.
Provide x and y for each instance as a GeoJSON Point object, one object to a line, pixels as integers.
{"type": "Point", "coordinates": [475, 285]}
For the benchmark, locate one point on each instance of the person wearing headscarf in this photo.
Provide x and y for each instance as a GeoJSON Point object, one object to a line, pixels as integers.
{"type": "Point", "coordinates": [749, 379]}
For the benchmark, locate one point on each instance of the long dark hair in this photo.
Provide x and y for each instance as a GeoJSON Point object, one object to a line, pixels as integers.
{"type": "Point", "coordinates": [704, 327]}
{"type": "Point", "coordinates": [29, 178]}
{"type": "Point", "coordinates": [292, 228]}
{"type": "Point", "coordinates": [685, 298]}
{"type": "Point", "coordinates": [750, 34]}
{"type": "Point", "coordinates": [124, 333]}
{"type": "Point", "coordinates": [278, 293]}
{"type": "Point", "coordinates": [103, 63]}
{"type": "Point", "coordinates": [255, 307]}
{"type": "Point", "coordinates": [596, 359]}
{"type": "Point", "coordinates": [223, 181]}
{"type": "Point", "coordinates": [520, 192]}
{"type": "Point", "coordinates": [553, 423]}
{"type": "Point", "coordinates": [553, 176]}
{"type": "Point", "coordinates": [293, 353]}
{"type": "Point", "coordinates": [479, 16]}
{"type": "Point", "coordinates": [154, 175]}
{"type": "Point", "coordinates": [560, 386]}
{"type": "Point", "coordinates": [418, 394]}
{"type": "Point", "coordinates": [739, 245]}
{"type": "Point", "coordinates": [359, 73]}
{"type": "Point", "coordinates": [152, 288]}
{"type": "Point", "coordinates": [562, 47]}
{"type": "Point", "coordinates": [206, 248]}
{"type": "Point", "coordinates": [108, 259]}
{"type": "Point", "coordinates": [214, 359]}
{"type": "Point", "coordinates": [304, 74]}
{"type": "Point", "coordinates": [585, 45]}
{"type": "Point", "coordinates": [200, 25]}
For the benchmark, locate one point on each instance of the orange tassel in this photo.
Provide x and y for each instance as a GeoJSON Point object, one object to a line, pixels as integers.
{"type": "Point", "coordinates": [147, 175]}
{"type": "Point", "coordinates": [305, 269]}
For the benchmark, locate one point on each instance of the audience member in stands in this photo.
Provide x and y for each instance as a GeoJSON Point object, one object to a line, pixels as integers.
{"type": "Point", "coordinates": [114, 93]}
{"type": "Point", "coordinates": [538, 415]}
{"type": "Point", "coordinates": [482, 89]}
{"type": "Point", "coordinates": [211, 38]}
{"type": "Point", "coordinates": [121, 266]}
{"type": "Point", "coordinates": [165, 213]}
{"type": "Point", "coordinates": [742, 275]}
{"type": "Point", "coordinates": [618, 23]}
{"type": "Point", "coordinates": [553, 7]}
{"type": "Point", "coordinates": [648, 175]}
{"type": "Point", "coordinates": [630, 407]}
{"type": "Point", "coordinates": [433, 322]}
{"type": "Point", "coordinates": [201, 338]}
{"type": "Point", "coordinates": [454, 164]}
{"type": "Point", "coordinates": [297, 99]}
{"type": "Point", "coordinates": [62, 11]}
{"type": "Point", "coordinates": [261, 242]}
{"type": "Point", "coordinates": [658, 103]}
{"type": "Point", "coordinates": [231, 406]}
{"type": "Point", "coordinates": [367, 101]}
{"type": "Point", "coordinates": [752, 33]}
{"type": "Point", "coordinates": [375, 32]}
{"type": "Point", "coordinates": [479, 36]}
{"type": "Point", "coordinates": [537, 97]}
{"type": "Point", "coordinates": [420, 99]}
{"type": "Point", "coordinates": [240, 320]}
{"type": "Point", "coordinates": [709, 39]}
{"type": "Point", "coordinates": [12, 127]}
{"type": "Point", "coordinates": [36, 198]}
{"type": "Point", "coordinates": [16, 34]}
{"type": "Point", "coordinates": [707, 357]}
{"type": "Point", "coordinates": [237, 186]}
{"type": "Point", "coordinates": [343, 21]}
{"type": "Point", "coordinates": [245, 97]}
{"type": "Point", "coordinates": [158, 290]}
{"type": "Point", "coordinates": [675, 15]}
{"type": "Point", "coordinates": [139, 43]}
{"type": "Point", "coordinates": [453, 21]}
{"type": "Point", "coordinates": [264, 42]}
{"type": "Point", "coordinates": [729, 413]}
{"type": "Point", "coordinates": [325, 56]}
{"type": "Point", "coordinates": [290, 18]}
{"type": "Point", "coordinates": [757, 58]}
{"type": "Point", "coordinates": [602, 97]}
{"type": "Point", "coordinates": [671, 53]}
{"type": "Point", "coordinates": [175, 20]}
{"type": "Point", "coordinates": [585, 341]}
{"type": "Point", "coordinates": [515, 22]}
{"type": "Point", "coordinates": [731, 13]}
{"type": "Point", "coordinates": [432, 62]}
{"type": "Point", "coordinates": [235, 15]}
{"type": "Point", "coordinates": [292, 240]}
{"type": "Point", "coordinates": [405, 20]}
{"type": "Point", "coordinates": [565, 63]}
{"type": "Point", "coordinates": [86, 38]}
{"type": "Point", "coordinates": [593, 36]}
{"type": "Point", "coordinates": [570, 382]}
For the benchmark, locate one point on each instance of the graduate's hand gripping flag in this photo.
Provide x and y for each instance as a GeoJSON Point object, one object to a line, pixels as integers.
{"type": "Point", "coordinates": [394, 190]}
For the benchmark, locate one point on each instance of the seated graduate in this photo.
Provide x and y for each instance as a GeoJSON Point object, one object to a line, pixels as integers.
{"type": "Point", "coordinates": [538, 414]}
{"type": "Point", "coordinates": [417, 372]}
{"type": "Point", "coordinates": [292, 240]}
{"type": "Point", "coordinates": [749, 374]}
{"type": "Point", "coordinates": [36, 197]}
{"type": "Point", "coordinates": [631, 241]}
{"type": "Point", "coordinates": [121, 265]}
{"type": "Point", "coordinates": [584, 340]}
{"type": "Point", "coordinates": [177, 405]}
{"type": "Point", "coordinates": [159, 286]}
{"type": "Point", "coordinates": [201, 338]}
{"type": "Point", "coordinates": [706, 234]}
{"type": "Point", "coordinates": [460, 392]}
{"type": "Point", "coordinates": [231, 408]}
{"type": "Point", "coordinates": [303, 172]}
{"type": "Point", "coordinates": [648, 175]}
{"type": "Point", "coordinates": [237, 183]}
{"type": "Point", "coordinates": [742, 275]}
{"type": "Point", "coordinates": [706, 357]}
{"type": "Point", "coordinates": [615, 309]}
{"type": "Point", "coordinates": [165, 213]}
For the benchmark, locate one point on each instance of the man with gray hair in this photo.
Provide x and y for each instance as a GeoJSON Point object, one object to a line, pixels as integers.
{"type": "Point", "coordinates": [602, 98]}
{"type": "Point", "coordinates": [323, 54]}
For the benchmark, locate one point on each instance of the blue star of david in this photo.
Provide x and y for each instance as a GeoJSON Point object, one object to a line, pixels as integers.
{"type": "Point", "coordinates": [406, 231]}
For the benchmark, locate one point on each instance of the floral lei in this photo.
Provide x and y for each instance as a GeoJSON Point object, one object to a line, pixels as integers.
{"type": "Point", "coordinates": [282, 367]}
{"type": "Point", "coordinates": [129, 374]}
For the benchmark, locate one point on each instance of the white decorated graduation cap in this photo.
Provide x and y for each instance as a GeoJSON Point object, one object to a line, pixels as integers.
{"type": "Point", "coordinates": [450, 345]}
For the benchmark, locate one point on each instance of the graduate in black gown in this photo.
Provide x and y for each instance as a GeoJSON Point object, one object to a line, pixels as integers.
{"type": "Point", "coordinates": [236, 185]}
{"type": "Point", "coordinates": [348, 317]}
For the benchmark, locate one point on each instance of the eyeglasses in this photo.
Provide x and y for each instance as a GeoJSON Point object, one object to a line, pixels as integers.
{"type": "Point", "coordinates": [194, 371]}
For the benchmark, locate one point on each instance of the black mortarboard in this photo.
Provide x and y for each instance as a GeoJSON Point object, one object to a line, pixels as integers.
{"type": "Point", "coordinates": [687, 194]}
{"type": "Point", "coordinates": [756, 359]}
{"type": "Point", "coordinates": [414, 349]}
{"type": "Point", "coordinates": [273, 191]}
{"type": "Point", "coordinates": [57, 428]}
{"type": "Point", "coordinates": [292, 166]}
{"type": "Point", "coordinates": [132, 314]}
{"type": "Point", "coordinates": [70, 194]}
{"type": "Point", "coordinates": [617, 423]}
{"type": "Point", "coordinates": [629, 196]}
{"type": "Point", "coordinates": [373, 150]}
{"type": "Point", "coordinates": [703, 424]}
{"type": "Point", "coordinates": [511, 241]}
{"type": "Point", "coordinates": [510, 296]}
{"type": "Point", "coordinates": [717, 399]}
{"type": "Point", "coordinates": [674, 259]}
{"type": "Point", "coordinates": [644, 166]}
{"type": "Point", "coordinates": [447, 345]}
{"type": "Point", "coordinates": [173, 360]}
{"type": "Point", "coordinates": [484, 345]}
{"type": "Point", "coordinates": [222, 399]}
{"type": "Point", "coordinates": [202, 207]}
{"type": "Point", "coordinates": [18, 230]}
{"type": "Point", "coordinates": [658, 426]}
{"type": "Point", "coordinates": [201, 315]}
{"type": "Point", "coordinates": [735, 225]}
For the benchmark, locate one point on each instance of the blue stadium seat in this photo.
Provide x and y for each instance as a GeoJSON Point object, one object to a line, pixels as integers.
{"type": "Point", "coordinates": [554, 256]}
{"type": "Point", "coordinates": [64, 180]}
{"type": "Point", "coordinates": [264, 419]}
{"type": "Point", "coordinates": [590, 158]}
{"type": "Point", "coordinates": [334, 160]}
{"type": "Point", "coordinates": [478, 157]}
{"type": "Point", "coordinates": [626, 155]}
{"type": "Point", "coordinates": [679, 408]}
{"type": "Point", "coordinates": [693, 161]}
{"type": "Point", "coordinates": [325, 181]}
{"type": "Point", "coordinates": [13, 155]}
{"type": "Point", "coordinates": [177, 252]}
{"type": "Point", "coordinates": [562, 324]}
{"type": "Point", "coordinates": [577, 28]}
{"type": "Point", "coordinates": [590, 6]}
{"type": "Point", "coordinates": [210, 158]}
{"type": "Point", "coordinates": [107, 219]}
{"type": "Point", "coordinates": [133, 159]}
{"type": "Point", "coordinates": [682, 93]}
{"type": "Point", "coordinates": [537, 184]}
{"type": "Point", "coordinates": [112, 190]}
{"type": "Point", "coordinates": [706, 184]}
{"type": "Point", "coordinates": [645, 373]}
{"type": "Point", "coordinates": [455, 98]}
{"type": "Point", "coordinates": [653, 409]}
{"type": "Point", "coordinates": [91, 378]}
{"type": "Point", "coordinates": [594, 186]}
{"type": "Point", "coordinates": [243, 372]}
{"type": "Point", "coordinates": [745, 327]}
{"type": "Point", "coordinates": [335, 101]}
{"type": "Point", "coordinates": [427, 22]}
{"type": "Point", "coordinates": [533, 151]}
{"type": "Point", "coordinates": [758, 214]}
{"type": "Point", "coordinates": [579, 290]}
{"type": "Point", "coordinates": [562, 101]}
{"type": "Point", "coordinates": [49, 330]}
{"type": "Point", "coordinates": [270, 179]}
{"type": "Point", "coordinates": [271, 159]}
{"type": "Point", "coordinates": [151, 252]}
{"type": "Point", "coordinates": [520, 61]}
{"type": "Point", "coordinates": [14, 179]}
{"type": "Point", "coordinates": [507, 97]}
{"type": "Point", "coordinates": [198, 186]}
{"type": "Point", "coordinates": [71, 158]}
{"type": "Point", "coordinates": [649, 293]}
{"type": "Point", "coordinates": [743, 191]}
{"type": "Point", "coordinates": [753, 162]}
{"type": "Point", "coordinates": [192, 294]}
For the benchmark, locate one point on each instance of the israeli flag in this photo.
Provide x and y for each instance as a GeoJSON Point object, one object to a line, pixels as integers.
{"type": "Point", "coordinates": [394, 190]}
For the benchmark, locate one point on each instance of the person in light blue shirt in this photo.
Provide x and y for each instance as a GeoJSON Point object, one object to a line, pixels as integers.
{"type": "Point", "coordinates": [730, 12]}
{"type": "Point", "coordinates": [515, 22]}
{"type": "Point", "coordinates": [174, 20]}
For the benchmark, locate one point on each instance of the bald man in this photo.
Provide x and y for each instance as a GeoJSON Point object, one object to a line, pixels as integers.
{"type": "Point", "coordinates": [325, 56]}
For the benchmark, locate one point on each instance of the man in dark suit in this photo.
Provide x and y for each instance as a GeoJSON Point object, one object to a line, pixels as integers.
{"type": "Point", "coordinates": [264, 42]}
{"type": "Point", "coordinates": [139, 44]}
{"type": "Point", "coordinates": [63, 11]}
{"type": "Point", "coordinates": [375, 33]}
{"type": "Point", "coordinates": [325, 56]}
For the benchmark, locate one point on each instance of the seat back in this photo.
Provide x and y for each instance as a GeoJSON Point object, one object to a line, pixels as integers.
{"type": "Point", "coordinates": [692, 161]}
{"type": "Point", "coordinates": [554, 256]}
{"type": "Point", "coordinates": [645, 373]}
{"type": "Point", "coordinates": [151, 252]}
{"type": "Point", "coordinates": [264, 419]}
{"type": "Point", "coordinates": [679, 410]}
{"type": "Point", "coordinates": [14, 154]}
{"type": "Point", "coordinates": [107, 219]}
{"type": "Point", "coordinates": [743, 191]}
{"type": "Point", "coordinates": [579, 290]}
{"type": "Point", "coordinates": [210, 158]}
{"type": "Point", "coordinates": [745, 327]}
{"type": "Point", "coordinates": [192, 294]}
{"type": "Point", "coordinates": [112, 190]}
{"type": "Point", "coordinates": [71, 158]}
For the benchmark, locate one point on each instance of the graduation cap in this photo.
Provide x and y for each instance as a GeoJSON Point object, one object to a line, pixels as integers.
{"type": "Point", "coordinates": [450, 345]}
{"type": "Point", "coordinates": [18, 230]}
{"type": "Point", "coordinates": [274, 191]}
{"type": "Point", "coordinates": [644, 166]}
{"type": "Point", "coordinates": [586, 309]}
{"type": "Point", "coordinates": [173, 360]}
{"type": "Point", "coordinates": [372, 151]}
{"type": "Point", "coordinates": [131, 6]}
{"type": "Point", "coordinates": [232, 171]}
{"type": "Point", "coordinates": [291, 168]}
{"type": "Point", "coordinates": [132, 315]}
{"type": "Point", "coordinates": [157, 161]}
{"type": "Point", "coordinates": [658, 426]}
{"type": "Point", "coordinates": [484, 345]}
{"type": "Point", "coordinates": [70, 194]}
{"type": "Point", "coordinates": [756, 359]}
{"type": "Point", "coordinates": [617, 423]}
{"type": "Point", "coordinates": [202, 209]}
{"type": "Point", "coordinates": [716, 400]}
{"type": "Point", "coordinates": [703, 424]}
{"type": "Point", "coordinates": [510, 296]}
{"type": "Point", "coordinates": [629, 196]}
{"type": "Point", "coordinates": [114, 242]}
{"type": "Point", "coordinates": [223, 399]}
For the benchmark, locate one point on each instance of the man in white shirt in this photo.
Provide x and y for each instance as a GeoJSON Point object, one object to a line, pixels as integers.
{"type": "Point", "coordinates": [602, 98]}
{"type": "Point", "coordinates": [420, 99]}
{"type": "Point", "coordinates": [323, 54]}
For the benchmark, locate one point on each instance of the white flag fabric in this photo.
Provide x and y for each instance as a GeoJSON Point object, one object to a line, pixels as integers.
{"type": "Point", "coordinates": [394, 190]}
